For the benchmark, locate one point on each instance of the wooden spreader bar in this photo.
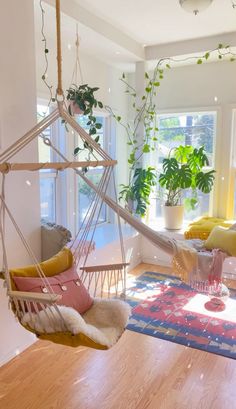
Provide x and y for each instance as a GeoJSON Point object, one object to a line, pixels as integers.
{"type": "Point", "coordinates": [7, 167]}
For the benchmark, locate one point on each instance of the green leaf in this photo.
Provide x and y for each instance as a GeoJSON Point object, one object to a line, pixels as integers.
{"type": "Point", "coordinates": [220, 45]}
{"type": "Point", "coordinates": [199, 61]}
{"type": "Point", "coordinates": [205, 181]}
{"type": "Point", "coordinates": [146, 148]}
{"type": "Point", "coordinates": [146, 75]}
{"type": "Point", "coordinates": [182, 153]}
{"type": "Point", "coordinates": [207, 55]}
{"type": "Point", "coordinates": [92, 131]}
{"type": "Point", "coordinates": [184, 179]}
{"type": "Point", "coordinates": [131, 159]}
{"type": "Point", "coordinates": [168, 66]}
{"type": "Point", "coordinates": [76, 151]}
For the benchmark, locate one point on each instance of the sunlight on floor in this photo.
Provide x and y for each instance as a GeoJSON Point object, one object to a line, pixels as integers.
{"type": "Point", "coordinates": [196, 304]}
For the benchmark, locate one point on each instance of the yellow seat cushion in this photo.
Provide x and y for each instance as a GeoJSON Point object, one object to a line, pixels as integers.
{"type": "Point", "coordinates": [221, 238]}
{"type": "Point", "coordinates": [62, 261]}
{"type": "Point", "coordinates": [201, 228]}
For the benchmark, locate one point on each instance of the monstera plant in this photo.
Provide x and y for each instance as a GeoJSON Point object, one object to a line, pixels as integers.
{"type": "Point", "coordinates": [185, 169]}
{"type": "Point", "coordinates": [136, 194]}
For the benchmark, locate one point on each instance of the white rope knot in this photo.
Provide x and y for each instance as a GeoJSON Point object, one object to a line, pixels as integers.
{"type": "Point", "coordinates": [60, 97]}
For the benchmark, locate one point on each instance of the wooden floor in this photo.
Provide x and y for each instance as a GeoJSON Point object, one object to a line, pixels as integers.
{"type": "Point", "coordinates": [140, 372]}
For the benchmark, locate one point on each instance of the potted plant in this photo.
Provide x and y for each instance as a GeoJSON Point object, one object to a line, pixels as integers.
{"type": "Point", "coordinates": [136, 194]}
{"type": "Point", "coordinates": [82, 102]}
{"type": "Point", "coordinates": [184, 169]}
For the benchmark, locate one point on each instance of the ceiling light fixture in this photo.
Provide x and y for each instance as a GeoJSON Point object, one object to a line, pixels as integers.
{"type": "Point", "coordinates": [195, 6]}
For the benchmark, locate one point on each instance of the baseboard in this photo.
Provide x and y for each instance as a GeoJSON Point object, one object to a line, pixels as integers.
{"type": "Point", "coordinates": [134, 263]}
{"type": "Point", "coordinates": [16, 351]}
{"type": "Point", "coordinates": [156, 261]}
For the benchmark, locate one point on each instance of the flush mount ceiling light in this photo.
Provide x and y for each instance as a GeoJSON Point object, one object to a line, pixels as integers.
{"type": "Point", "coordinates": [195, 6]}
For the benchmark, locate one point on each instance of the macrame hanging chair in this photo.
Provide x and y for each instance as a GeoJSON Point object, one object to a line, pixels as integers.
{"type": "Point", "coordinates": [40, 312]}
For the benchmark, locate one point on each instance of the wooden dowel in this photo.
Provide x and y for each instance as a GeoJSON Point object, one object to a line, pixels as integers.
{"type": "Point", "coordinates": [6, 167]}
{"type": "Point", "coordinates": [37, 297]}
{"type": "Point", "coordinates": [106, 267]}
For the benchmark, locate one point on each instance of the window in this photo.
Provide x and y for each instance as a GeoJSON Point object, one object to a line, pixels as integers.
{"type": "Point", "coordinates": [65, 198]}
{"type": "Point", "coordinates": [196, 129]}
{"type": "Point", "coordinates": [85, 193]}
{"type": "Point", "coordinates": [47, 177]}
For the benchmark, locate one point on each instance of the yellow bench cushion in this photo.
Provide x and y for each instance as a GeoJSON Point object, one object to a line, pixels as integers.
{"type": "Point", "coordinates": [201, 228]}
{"type": "Point", "coordinates": [224, 239]}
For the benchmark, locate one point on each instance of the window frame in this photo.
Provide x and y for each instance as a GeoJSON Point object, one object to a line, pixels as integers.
{"type": "Point", "coordinates": [216, 156]}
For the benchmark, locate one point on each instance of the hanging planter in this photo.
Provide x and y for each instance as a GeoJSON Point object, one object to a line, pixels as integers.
{"type": "Point", "coordinates": [74, 109]}
{"type": "Point", "coordinates": [82, 100]}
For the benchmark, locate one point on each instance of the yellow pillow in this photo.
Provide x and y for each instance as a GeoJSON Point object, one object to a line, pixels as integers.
{"type": "Point", "coordinates": [62, 261]}
{"type": "Point", "coordinates": [201, 228]}
{"type": "Point", "coordinates": [221, 238]}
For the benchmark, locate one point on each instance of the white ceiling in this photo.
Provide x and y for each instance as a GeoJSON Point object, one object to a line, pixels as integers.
{"type": "Point", "coordinates": [163, 21]}
{"type": "Point", "coordinates": [115, 31]}
{"type": "Point", "coordinates": [91, 42]}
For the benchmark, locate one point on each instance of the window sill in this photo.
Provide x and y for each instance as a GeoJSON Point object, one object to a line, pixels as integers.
{"type": "Point", "coordinates": [158, 225]}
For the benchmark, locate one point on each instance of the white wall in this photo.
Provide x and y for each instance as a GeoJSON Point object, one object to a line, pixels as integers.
{"type": "Point", "coordinates": [17, 115]}
{"type": "Point", "coordinates": [197, 85]}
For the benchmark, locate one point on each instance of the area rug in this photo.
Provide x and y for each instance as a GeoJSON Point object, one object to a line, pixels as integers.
{"type": "Point", "coordinates": [166, 308]}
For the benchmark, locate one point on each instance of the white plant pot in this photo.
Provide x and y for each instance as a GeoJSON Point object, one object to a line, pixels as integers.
{"type": "Point", "coordinates": [174, 216]}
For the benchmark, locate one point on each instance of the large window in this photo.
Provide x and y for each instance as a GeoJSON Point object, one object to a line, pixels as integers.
{"type": "Point", "coordinates": [195, 129]}
{"type": "Point", "coordinates": [64, 198]}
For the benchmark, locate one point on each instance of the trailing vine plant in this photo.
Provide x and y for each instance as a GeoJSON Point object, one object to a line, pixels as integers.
{"type": "Point", "coordinates": [46, 51]}
{"type": "Point", "coordinates": [135, 193]}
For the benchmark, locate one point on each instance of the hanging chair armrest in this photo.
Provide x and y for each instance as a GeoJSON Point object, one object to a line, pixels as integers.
{"type": "Point", "coordinates": [36, 297]}
{"type": "Point", "coordinates": [105, 267]}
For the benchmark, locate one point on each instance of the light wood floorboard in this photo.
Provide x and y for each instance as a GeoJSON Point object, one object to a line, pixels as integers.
{"type": "Point", "coordinates": [140, 372]}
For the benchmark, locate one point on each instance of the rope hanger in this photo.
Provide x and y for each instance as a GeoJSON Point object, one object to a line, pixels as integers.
{"type": "Point", "coordinates": [77, 66]}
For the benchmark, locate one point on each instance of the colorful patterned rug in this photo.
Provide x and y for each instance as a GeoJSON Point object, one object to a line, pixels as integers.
{"type": "Point", "coordinates": [166, 308]}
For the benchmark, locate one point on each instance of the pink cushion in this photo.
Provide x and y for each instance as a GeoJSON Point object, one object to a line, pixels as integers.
{"type": "Point", "coordinates": [67, 284]}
